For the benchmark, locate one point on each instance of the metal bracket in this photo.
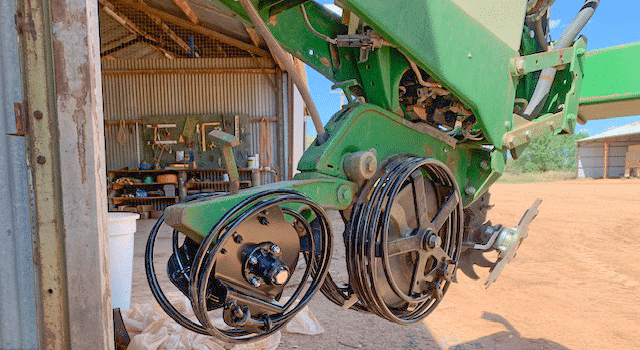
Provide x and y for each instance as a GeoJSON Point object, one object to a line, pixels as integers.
{"type": "Point", "coordinates": [21, 119]}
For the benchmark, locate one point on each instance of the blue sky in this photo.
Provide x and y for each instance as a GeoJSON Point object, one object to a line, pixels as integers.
{"type": "Point", "coordinates": [615, 22]}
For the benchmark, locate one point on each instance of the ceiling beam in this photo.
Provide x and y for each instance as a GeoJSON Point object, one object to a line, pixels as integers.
{"type": "Point", "coordinates": [165, 28]}
{"type": "Point", "coordinates": [198, 28]}
{"type": "Point", "coordinates": [253, 35]}
{"type": "Point", "coordinates": [110, 46]}
{"type": "Point", "coordinates": [110, 10]}
{"type": "Point", "coordinates": [187, 10]}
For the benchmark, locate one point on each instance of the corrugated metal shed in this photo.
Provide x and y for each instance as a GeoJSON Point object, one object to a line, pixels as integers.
{"type": "Point", "coordinates": [591, 152]}
{"type": "Point", "coordinates": [185, 88]}
{"type": "Point", "coordinates": [160, 59]}
{"type": "Point", "coordinates": [18, 325]}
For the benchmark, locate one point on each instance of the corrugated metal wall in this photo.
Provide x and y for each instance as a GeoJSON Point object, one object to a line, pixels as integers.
{"type": "Point", "coordinates": [134, 95]}
{"type": "Point", "coordinates": [591, 157]}
{"type": "Point", "coordinates": [18, 328]}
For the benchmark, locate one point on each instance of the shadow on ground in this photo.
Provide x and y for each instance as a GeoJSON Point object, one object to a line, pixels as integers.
{"type": "Point", "coordinates": [510, 339]}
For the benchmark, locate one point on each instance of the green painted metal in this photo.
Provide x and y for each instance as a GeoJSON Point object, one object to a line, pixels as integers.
{"type": "Point", "coordinates": [423, 31]}
{"type": "Point", "coordinates": [367, 126]}
{"type": "Point", "coordinates": [612, 74]}
{"type": "Point", "coordinates": [198, 217]}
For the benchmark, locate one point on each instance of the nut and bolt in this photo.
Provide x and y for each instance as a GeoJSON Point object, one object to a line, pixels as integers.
{"type": "Point", "coordinates": [484, 165]}
{"type": "Point", "coordinates": [275, 249]}
{"type": "Point", "coordinates": [237, 312]}
{"type": "Point", "coordinates": [434, 241]}
{"type": "Point", "coordinates": [520, 66]}
{"type": "Point", "coordinates": [370, 164]}
{"type": "Point", "coordinates": [41, 160]}
{"type": "Point", "coordinates": [470, 190]}
{"type": "Point", "coordinates": [37, 115]}
{"type": "Point", "coordinates": [263, 220]}
{"type": "Point", "coordinates": [489, 231]}
{"type": "Point", "coordinates": [253, 260]}
{"type": "Point", "coordinates": [237, 238]}
{"type": "Point", "coordinates": [255, 282]}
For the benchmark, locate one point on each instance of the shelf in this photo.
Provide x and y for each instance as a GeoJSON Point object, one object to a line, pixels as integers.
{"type": "Point", "coordinates": [142, 184]}
{"type": "Point", "coordinates": [247, 182]}
{"type": "Point", "coordinates": [152, 171]}
{"type": "Point", "coordinates": [141, 199]}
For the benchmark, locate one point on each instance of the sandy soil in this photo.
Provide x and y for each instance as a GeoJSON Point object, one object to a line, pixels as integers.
{"type": "Point", "coordinates": [574, 284]}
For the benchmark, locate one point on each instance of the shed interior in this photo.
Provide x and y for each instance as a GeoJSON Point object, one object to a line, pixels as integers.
{"type": "Point", "coordinates": [172, 72]}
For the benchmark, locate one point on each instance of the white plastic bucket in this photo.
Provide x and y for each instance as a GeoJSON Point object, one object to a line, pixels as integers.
{"type": "Point", "coordinates": [121, 226]}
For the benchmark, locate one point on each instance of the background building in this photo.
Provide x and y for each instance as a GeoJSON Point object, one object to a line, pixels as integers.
{"type": "Point", "coordinates": [610, 153]}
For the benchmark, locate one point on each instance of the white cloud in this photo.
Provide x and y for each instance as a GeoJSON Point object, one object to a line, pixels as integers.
{"type": "Point", "coordinates": [554, 23]}
{"type": "Point", "coordinates": [334, 8]}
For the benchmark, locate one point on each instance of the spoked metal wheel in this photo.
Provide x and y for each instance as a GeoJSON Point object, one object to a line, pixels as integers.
{"type": "Point", "coordinates": [245, 263]}
{"type": "Point", "coordinates": [404, 238]}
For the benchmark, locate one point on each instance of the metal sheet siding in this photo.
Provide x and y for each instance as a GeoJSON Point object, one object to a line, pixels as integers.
{"type": "Point", "coordinates": [591, 157]}
{"type": "Point", "coordinates": [133, 96]}
{"type": "Point", "coordinates": [18, 325]}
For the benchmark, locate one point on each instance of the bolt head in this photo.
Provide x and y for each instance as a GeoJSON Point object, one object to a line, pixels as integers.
{"type": "Point", "coordinates": [470, 190]}
{"type": "Point", "coordinates": [275, 249]}
{"type": "Point", "coordinates": [255, 282]}
{"type": "Point", "coordinates": [432, 241]}
{"type": "Point", "coordinates": [253, 260]}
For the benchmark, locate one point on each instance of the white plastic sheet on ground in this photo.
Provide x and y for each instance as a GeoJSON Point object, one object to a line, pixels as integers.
{"type": "Point", "coordinates": [150, 328]}
{"type": "Point", "coordinates": [304, 323]}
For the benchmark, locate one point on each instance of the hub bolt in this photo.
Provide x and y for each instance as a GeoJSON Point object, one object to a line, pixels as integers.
{"type": "Point", "coordinates": [253, 260]}
{"type": "Point", "coordinates": [255, 282]}
{"type": "Point", "coordinates": [434, 241]}
{"type": "Point", "coordinates": [275, 249]}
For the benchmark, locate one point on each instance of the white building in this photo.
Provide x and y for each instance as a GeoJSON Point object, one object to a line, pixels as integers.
{"type": "Point", "coordinates": [605, 155]}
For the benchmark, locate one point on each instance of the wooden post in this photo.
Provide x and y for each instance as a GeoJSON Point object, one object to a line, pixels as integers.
{"type": "Point", "coordinates": [606, 158]}
{"type": "Point", "coordinates": [61, 65]}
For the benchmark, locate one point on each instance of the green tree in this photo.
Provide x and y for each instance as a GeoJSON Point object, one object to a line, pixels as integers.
{"type": "Point", "coordinates": [551, 152]}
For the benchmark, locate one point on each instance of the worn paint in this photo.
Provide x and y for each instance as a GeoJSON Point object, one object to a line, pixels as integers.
{"type": "Point", "coordinates": [18, 318]}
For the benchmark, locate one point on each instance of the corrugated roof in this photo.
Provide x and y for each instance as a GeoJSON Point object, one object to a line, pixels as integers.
{"type": "Point", "coordinates": [629, 129]}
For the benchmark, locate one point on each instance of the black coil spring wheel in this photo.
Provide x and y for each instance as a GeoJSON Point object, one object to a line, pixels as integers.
{"type": "Point", "coordinates": [249, 312]}
{"type": "Point", "coordinates": [404, 238]}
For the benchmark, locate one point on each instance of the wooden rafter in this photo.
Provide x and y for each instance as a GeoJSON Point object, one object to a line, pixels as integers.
{"type": "Point", "coordinates": [195, 28]}
{"type": "Point", "coordinates": [253, 35]}
{"type": "Point", "coordinates": [117, 43]}
{"type": "Point", "coordinates": [165, 28]}
{"type": "Point", "coordinates": [256, 39]}
{"type": "Point", "coordinates": [119, 17]}
{"type": "Point", "coordinates": [187, 10]}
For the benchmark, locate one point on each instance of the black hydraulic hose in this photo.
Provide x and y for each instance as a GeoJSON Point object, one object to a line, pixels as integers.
{"type": "Point", "coordinates": [547, 75]}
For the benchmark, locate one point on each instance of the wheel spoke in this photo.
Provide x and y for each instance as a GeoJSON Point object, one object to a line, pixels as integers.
{"type": "Point", "coordinates": [418, 272]}
{"type": "Point", "coordinates": [447, 208]}
{"type": "Point", "coordinates": [404, 245]}
{"type": "Point", "coordinates": [420, 198]}
{"type": "Point", "coordinates": [439, 254]}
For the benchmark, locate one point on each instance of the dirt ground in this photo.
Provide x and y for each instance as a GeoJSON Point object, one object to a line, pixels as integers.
{"type": "Point", "coordinates": [575, 283]}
